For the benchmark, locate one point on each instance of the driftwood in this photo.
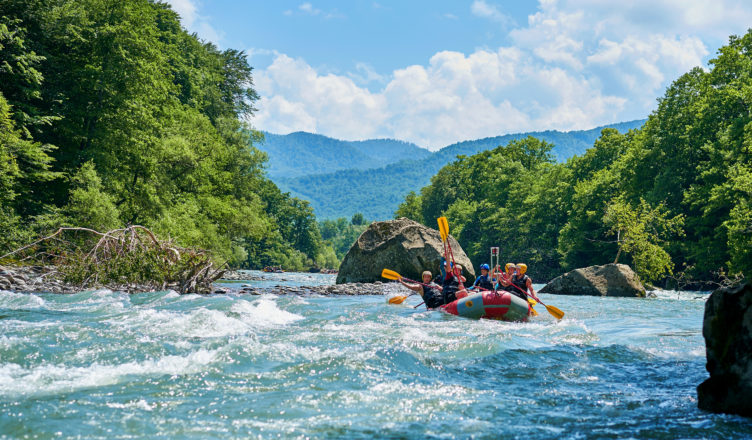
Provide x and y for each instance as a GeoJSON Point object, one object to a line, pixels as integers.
{"type": "Point", "coordinates": [123, 259]}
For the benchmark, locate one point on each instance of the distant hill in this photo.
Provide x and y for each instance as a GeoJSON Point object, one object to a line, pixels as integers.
{"type": "Point", "coordinates": [301, 154]}
{"type": "Point", "coordinates": [376, 192]}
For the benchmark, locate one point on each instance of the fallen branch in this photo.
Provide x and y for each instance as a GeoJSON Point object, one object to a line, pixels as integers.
{"type": "Point", "coordinates": [122, 257]}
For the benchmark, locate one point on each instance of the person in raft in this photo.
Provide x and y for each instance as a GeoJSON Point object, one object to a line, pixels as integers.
{"type": "Point", "coordinates": [504, 279]}
{"type": "Point", "coordinates": [442, 273]}
{"type": "Point", "coordinates": [483, 282]}
{"type": "Point", "coordinates": [429, 291]}
{"type": "Point", "coordinates": [452, 288]}
{"type": "Point", "coordinates": [522, 284]}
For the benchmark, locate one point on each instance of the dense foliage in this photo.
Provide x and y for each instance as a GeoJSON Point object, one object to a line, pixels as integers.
{"type": "Point", "coordinates": [340, 234]}
{"type": "Point", "coordinates": [376, 192]}
{"type": "Point", "coordinates": [673, 196]}
{"type": "Point", "coordinates": [112, 114]}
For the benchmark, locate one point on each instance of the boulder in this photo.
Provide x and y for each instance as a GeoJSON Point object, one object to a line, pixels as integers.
{"type": "Point", "coordinates": [402, 245]}
{"type": "Point", "coordinates": [606, 280]}
{"type": "Point", "coordinates": [727, 328]}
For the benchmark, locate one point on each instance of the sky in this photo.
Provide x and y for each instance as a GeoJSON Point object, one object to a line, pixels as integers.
{"type": "Point", "coordinates": [438, 72]}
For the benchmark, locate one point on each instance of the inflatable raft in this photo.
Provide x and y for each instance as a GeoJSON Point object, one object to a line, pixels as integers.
{"type": "Point", "coordinates": [500, 305]}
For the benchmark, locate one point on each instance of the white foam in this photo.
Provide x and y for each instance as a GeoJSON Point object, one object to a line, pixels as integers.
{"type": "Point", "coordinates": [20, 301]}
{"type": "Point", "coordinates": [263, 312]}
{"type": "Point", "coordinates": [45, 378]}
{"type": "Point", "coordinates": [135, 404]}
{"type": "Point", "coordinates": [197, 323]}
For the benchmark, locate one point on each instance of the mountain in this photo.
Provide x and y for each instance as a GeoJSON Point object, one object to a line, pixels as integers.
{"type": "Point", "coordinates": [376, 192]}
{"type": "Point", "coordinates": [300, 154]}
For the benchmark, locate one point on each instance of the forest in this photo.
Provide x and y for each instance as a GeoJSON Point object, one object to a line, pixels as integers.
{"type": "Point", "coordinates": [376, 192]}
{"type": "Point", "coordinates": [672, 198]}
{"type": "Point", "coordinates": [112, 114]}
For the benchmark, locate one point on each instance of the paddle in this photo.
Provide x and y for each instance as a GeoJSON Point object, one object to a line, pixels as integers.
{"type": "Point", "coordinates": [555, 312]}
{"type": "Point", "coordinates": [444, 231]}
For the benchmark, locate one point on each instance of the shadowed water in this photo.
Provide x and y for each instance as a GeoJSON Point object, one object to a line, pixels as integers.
{"type": "Point", "coordinates": [158, 365]}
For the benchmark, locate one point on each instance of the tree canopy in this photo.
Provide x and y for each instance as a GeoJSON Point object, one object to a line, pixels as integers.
{"type": "Point", "coordinates": [113, 114]}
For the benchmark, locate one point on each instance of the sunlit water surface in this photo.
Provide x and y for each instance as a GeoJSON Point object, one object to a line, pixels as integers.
{"type": "Point", "coordinates": [109, 365]}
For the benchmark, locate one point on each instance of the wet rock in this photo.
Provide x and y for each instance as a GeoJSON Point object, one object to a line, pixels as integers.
{"type": "Point", "coordinates": [606, 280]}
{"type": "Point", "coordinates": [237, 275]}
{"type": "Point", "coordinates": [727, 329]}
{"type": "Point", "coordinates": [402, 245]}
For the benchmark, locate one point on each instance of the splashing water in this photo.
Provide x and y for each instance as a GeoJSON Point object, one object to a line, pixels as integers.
{"type": "Point", "coordinates": [105, 364]}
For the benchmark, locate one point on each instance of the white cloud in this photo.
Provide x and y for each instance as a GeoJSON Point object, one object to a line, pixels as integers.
{"type": "Point", "coordinates": [575, 64]}
{"type": "Point", "coordinates": [485, 10]}
{"type": "Point", "coordinates": [194, 22]}
{"type": "Point", "coordinates": [308, 9]}
{"type": "Point", "coordinates": [292, 91]}
{"type": "Point", "coordinates": [455, 97]}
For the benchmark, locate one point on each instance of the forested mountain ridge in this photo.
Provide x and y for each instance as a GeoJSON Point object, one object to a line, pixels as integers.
{"type": "Point", "coordinates": [301, 153]}
{"type": "Point", "coordinates": [377, 192]}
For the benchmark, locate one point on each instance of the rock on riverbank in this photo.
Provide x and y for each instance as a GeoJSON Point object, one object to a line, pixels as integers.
{"type": "Point", "coordinates": [348, 289]}
{"type": "Point", "coordinates": [606, 280]}
{"type": "Point", "coordinates": [727, 328]}
{"type": "Point", "coordinates": [33, 279]}
{"type": "Point", "coordinates": [402, 245]}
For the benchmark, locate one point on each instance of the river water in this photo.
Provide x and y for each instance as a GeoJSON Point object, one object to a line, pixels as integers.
{"type": "Point", "coordinates": [104, 364]}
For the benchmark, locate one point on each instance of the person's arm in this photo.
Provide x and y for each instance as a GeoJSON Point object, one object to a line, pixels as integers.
{"type": "Point", "coordinates": [530, 287]}
{"type": "Point", "coordinates": [414, 287]}
{"type": "Point", "coordinates": [504, 279]}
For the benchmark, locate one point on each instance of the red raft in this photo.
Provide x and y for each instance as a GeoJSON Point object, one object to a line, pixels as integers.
{"type": "Point", "coordinates": [490, 305]}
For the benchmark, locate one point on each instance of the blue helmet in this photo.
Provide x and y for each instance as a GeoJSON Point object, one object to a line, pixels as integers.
{"type": "Point", "coordinates": [485, 266]}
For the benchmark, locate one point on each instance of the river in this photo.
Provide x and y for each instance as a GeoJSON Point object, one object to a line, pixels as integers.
{"type": "Point", "coordinates": [104, 364]}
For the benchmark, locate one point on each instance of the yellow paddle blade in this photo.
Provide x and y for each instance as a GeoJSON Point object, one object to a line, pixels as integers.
{"type": "Point", "coordinates": [390, 274]}
{"type": "Point", "coordinates": [533, 312]}
{"type": "Point", "coordinates": [397, 299]}
{"type": "Point", "coordinates": [443, 228]}
{"type": "Point", "coordinates": [558, 314]}
{"type": "Point", "coordinates": [532, 301]}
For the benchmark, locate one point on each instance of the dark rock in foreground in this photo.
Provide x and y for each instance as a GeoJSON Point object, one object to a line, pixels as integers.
{"type": "Point", "coordinates": [727, 328]}
{"type": "Point", "coordinates": [606, 280]}
{"type": "Point", "coordinates": [402, 245]}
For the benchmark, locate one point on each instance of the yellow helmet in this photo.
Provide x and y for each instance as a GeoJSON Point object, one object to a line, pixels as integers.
{"type": "Point", "coordinates": [522, 267]}
{"type": "Point", "coordinates": [508, 266]}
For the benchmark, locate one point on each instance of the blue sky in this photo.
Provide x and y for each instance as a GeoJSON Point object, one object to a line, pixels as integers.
{"type": "Point", "coordinates": [438, 72]}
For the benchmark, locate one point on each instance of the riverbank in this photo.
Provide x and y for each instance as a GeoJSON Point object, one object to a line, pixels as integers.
{"type": "Point", "coordinates": [46, 279]}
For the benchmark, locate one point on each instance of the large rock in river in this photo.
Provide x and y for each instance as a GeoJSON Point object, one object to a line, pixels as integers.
{"type": "Point", "coordinates": [606, 280]}
{"type": "Point", "coordinates": [727, 328]}
{"type": "Point", "coordinates": [401, 245]}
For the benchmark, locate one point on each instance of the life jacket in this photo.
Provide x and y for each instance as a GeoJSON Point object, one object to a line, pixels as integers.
{"type": "Point", "coordinates": [483, 282]}
{"type": "Point", "coordinates": [431, 296]}
{"type": "Point", "coordinates": [450, 288]}
{"type": "Point", "coordinates": [521, 284]}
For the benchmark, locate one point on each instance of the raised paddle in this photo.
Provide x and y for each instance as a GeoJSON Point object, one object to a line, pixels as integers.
{"type": "Point", "coordinates": [444, 231]}
{"type": "Point", "coordinates": [443, 228]}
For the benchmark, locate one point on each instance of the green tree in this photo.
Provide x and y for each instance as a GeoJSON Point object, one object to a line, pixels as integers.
{"type": "Point", "coordinates": [410, 208]}
{"type": "Point", "coordinates": [642, 231]}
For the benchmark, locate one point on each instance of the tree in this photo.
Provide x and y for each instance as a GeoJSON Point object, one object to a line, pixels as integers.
{"type": "Point", "coordinates": [642, 232]}
{"type": "Point", "coordinates": [410, 208]}
{"type": "Point", "coordinates": [357, 219]}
